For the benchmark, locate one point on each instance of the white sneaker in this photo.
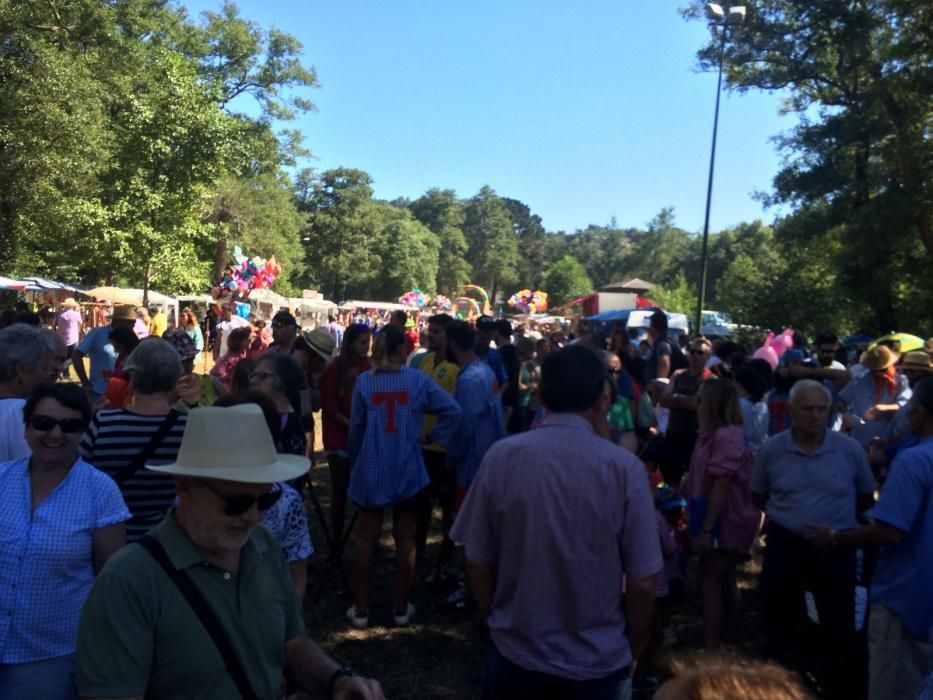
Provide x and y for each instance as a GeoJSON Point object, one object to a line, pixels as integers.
{"type": "Point", "coordinates": [405, 618]}
{"type": "Point", "coordinates": [355, 620]}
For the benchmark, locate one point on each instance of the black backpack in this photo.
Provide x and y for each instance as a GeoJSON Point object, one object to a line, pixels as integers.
{"type": "Point", "coordinates": [678, 359]}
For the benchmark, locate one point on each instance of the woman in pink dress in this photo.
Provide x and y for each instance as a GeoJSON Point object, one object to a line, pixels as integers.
{"type": "Point", "coordinates": [723, 519]}
{"type": "Point", "coordinates": [237, 348]}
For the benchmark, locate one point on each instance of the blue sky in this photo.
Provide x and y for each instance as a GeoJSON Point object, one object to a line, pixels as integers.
{"type": "Point", "coordinates": [584, 111]}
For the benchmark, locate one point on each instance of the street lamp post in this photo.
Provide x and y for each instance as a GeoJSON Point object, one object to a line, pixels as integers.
{"type": "Point", "coordinates": [720, 17]}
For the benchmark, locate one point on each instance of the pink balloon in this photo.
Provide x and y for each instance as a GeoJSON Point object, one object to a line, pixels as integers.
{"type": "Point", "coordinates": [768, 354]}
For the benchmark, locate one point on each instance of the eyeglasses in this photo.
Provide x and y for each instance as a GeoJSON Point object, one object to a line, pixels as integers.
{"type": "Point", "coordinates": [259, 375]}
{"type": "Point", "coordinates": [45, 424]}
{"type": "Point", "coordinates": [239, 503]}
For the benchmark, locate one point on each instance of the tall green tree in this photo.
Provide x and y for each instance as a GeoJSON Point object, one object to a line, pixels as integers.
{"type": "Point", "coordinates": [531, 243]}
{"type": "Point", "coordinates": [492, 245]}
{"type": "Point", "coordinates": [566, 280]}
{"type": "Point", "coordinates": [408, 259]}
{"type": "Point", "coordinates": [442, 213]}
{"type": "Point", "coordinates": [343, 233]}
{"type": "Point", "coordinates": [858, 77]}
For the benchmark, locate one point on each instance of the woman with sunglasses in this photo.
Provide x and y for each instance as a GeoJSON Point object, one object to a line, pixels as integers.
{"type": "Point", "coordinates": [336, 397]}
{"type": "Point", "coordinates": [60, 520]}
{"type": "Point", "coordinates": [279, 377]}
{"type": "Point", "coordinates": [384, 442]}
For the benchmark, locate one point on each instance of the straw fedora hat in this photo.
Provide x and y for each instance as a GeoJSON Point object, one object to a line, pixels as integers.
{"type": "Point", "coordinates": [124, 312]}
{"type": "Point", "coordinates": [917, 360]}
{"type": "Point", "coordinates": [207, 452]}
{"type": "Point", "coordinates": [878, 357]}
{"type": "Point", "coordinates": [70, 303]}
{"type": "Point", "coordinates": [322, 342]}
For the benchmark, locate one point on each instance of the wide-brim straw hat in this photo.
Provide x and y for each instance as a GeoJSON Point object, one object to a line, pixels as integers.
{"type": "Point", "coordinates": [123, 313]}
{"type": "Point", "coordinates": [917, 360]}
{"type": "Point", "coordinates": [208, 452]}
{"type": "Point", "coordinates": [878, 357]}
{"type": "Point", "coordinates": [70, 303]}
{"type": "Point", "coordinates": [322, 342]}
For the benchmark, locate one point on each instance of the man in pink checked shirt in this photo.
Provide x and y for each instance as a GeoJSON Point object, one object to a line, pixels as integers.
{"type": "Point", "coordinates": [556, 522]}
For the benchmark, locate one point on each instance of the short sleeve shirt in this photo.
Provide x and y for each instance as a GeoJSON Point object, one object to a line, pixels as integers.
{"type": "Point", "coordinates": [563, 516]}
{"type": "Point", "coordinates": [47, 557]}
{"type": "Point", "coordinates": [13, 443]}
{"type": "Point", "coordinates": [69, 326]}
{"type": "Point", "coordinates": [138, 635]}
{"type": "Point", "coordinates": [289, 523]}
{"type": "Point", "coordinates": [904, 579]}
{"type": "Point", "coordinates": [96, 345]}
{"type": "Point", "coordinates": [820, 487]}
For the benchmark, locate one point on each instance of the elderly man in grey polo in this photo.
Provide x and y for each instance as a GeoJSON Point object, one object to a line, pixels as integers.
{"type": "Point", "coordinates": [811, 474]}
{"type": "Point", "coordinates": [204, 606]}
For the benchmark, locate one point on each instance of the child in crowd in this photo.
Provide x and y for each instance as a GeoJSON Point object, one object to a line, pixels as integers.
{"type": "Point", "coordinates": [672, 529]}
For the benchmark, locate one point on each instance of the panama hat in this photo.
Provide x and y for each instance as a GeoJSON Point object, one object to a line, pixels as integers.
{"type": "Point", "coordinates": [207, 452]}
{"type": "Point", "coordinates": [123, 313]}
{"type": "Point", "coordinates": [322, 342]}
{"type": "Point", "coordinates": [878, 357]}
{"type": "Point", "coordinates": [917, 360]}
{"type": "Point", "coordinates": [70, 303]}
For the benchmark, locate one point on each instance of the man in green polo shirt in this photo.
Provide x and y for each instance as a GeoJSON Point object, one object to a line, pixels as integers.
{"type": "Point", "coordinates": [139, 636]}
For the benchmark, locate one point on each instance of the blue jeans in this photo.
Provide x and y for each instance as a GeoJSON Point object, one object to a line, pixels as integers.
{"type": "Point", "coordinates": [49, 679]}
{"type": "Point", "coordinates": [507, 681]}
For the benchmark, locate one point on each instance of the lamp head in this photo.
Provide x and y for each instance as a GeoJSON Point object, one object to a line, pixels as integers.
{"type": "Point", "coordinates": [714, 11]}
{"type": "Point", "coordinates": [736, 14]}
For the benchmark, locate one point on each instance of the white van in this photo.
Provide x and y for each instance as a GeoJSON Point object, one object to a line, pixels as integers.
{"type": "Point", "coordinates": [640, 319]}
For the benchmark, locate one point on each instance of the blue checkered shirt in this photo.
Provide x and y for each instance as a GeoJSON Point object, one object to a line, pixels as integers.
{"type": "Point", "coordinates": [385, 434]}
{"type": "Point", "coordinates": [47, 557]}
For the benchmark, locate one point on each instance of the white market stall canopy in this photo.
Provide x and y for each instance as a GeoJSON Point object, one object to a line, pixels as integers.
{"type": "Point", "coordinates": [379, 305]}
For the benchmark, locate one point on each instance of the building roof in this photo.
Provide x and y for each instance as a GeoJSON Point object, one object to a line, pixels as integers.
{"type": "Point", "coordinates": [632, 285]}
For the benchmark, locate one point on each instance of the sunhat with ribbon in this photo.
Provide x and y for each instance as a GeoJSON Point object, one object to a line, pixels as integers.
{"type": "Point", "coordinates": [878, 358]}
{"type": "Point", "coordinates": [322, 342]}
{"type": "Point", "coordinates": [917, 360]}
{"type": "Point", "coordinates": [207, 451]}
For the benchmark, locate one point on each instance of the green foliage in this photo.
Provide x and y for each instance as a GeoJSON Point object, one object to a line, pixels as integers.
{"type": "Point", "coordinates": [678, 295]}
{"type": "Point", "coordinates": [858, 163]}
{"type": "Point", "coordinates": [566, 280]}
{"type": "Point", "coordinates": [492, 245]}
{"type": "Point", "coordinates": [443, 214]}
{"type": "Point", "coordinates": [409, 255]}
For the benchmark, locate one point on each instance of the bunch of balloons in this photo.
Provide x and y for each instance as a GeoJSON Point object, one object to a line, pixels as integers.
{"type": "Point", "coordinates": [775, 346]}
{"type": "Point", "coordinates": [442, 302]}
{"type": "Point", "coordinates": [528, 302]}
{"type": "Point", "coordinates": [245, 275]}
{"type": "Point", "coordinates": [415, 297]}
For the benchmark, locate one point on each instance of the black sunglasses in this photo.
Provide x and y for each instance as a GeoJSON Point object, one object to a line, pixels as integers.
{"type": "Point", "coordinates": [697, 352]}
{"type": "Point", "coordinates": [237, 504]}
{"type": "Point", "coordinates": [46, 423]}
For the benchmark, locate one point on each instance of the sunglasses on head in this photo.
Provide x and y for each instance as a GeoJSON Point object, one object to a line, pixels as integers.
{"type": "Point", "coordinates": [237, 504]}
{"type": "Point", "coordinates": [46, 423]}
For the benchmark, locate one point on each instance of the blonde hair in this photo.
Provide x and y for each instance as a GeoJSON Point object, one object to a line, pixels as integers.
{"type": "Point", "coordinates": [718, 405]}
{"type": "Point", "coordinates": [387, 342]}
{"type": "Point", "coordinates": [725, 678]}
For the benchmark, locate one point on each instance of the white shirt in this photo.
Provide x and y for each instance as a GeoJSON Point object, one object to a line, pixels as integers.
{"type": "Point", "coordinates": [225, 327]}
{"type": "Point", "coordinates": [13, 443]}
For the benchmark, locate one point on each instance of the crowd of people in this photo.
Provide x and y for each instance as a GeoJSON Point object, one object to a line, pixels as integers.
{"type": "Point", "coordinates": [580, 473]}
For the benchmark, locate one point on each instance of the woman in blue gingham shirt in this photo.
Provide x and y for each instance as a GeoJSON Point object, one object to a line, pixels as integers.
{"type": "Point", "coordinates": [389, 403]}
{"type": "Point", "coordinates": [60, 520]}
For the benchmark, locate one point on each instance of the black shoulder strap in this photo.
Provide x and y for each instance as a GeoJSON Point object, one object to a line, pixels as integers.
{"type": "Point", "coordinates": [205, 615]}
{"type": "Point", "coordinates": [139, 461]}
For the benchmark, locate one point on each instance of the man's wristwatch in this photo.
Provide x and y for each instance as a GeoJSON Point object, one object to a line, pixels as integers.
{"type": "Point", "coordinates": [341, 672]}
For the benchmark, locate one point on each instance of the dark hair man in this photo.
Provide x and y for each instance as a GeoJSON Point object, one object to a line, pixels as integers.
{"type": "Point", "coordinates": [556, 519]}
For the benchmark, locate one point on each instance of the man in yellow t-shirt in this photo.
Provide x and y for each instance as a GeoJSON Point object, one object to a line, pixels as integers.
{"type": "Point", "coordinates": [157, 322]}
{"type": "Point", "coordinates": [443, 484]}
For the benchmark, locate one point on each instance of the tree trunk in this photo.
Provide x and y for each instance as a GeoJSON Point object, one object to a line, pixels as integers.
{"type": "Point", "coordinates": [146, 281]}
{"type": "Point", "coordinates": [220, 254]}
